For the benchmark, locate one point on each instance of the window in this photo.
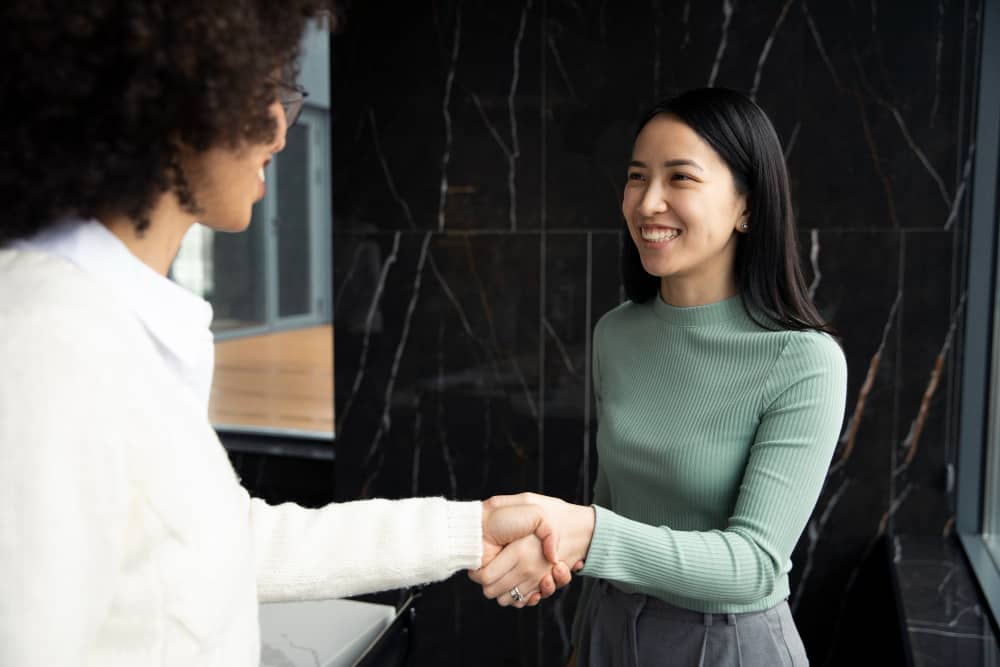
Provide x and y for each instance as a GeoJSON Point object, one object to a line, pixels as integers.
{"type": "Point", "coordinates": [271, 285]}
{"type": "Point", "coordinates": [977, 512]}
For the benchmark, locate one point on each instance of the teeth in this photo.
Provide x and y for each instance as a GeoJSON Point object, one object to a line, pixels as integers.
{"type": "Point", "coordinates": [260, 173]}
{"type": "Point", "coordinates": [657, 235]}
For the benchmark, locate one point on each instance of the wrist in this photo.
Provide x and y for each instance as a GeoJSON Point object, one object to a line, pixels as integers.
{"type": "Point", "coordinates": [575, 541]}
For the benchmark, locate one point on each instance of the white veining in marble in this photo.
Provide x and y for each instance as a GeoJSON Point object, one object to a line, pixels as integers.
{"type": "Point", "coordinates": [418, 443]}
{"type": "Point", "coordinates": [846, 442]}
{"type": "Point", "coordinates": [814, 531]}
{"type": "Point", "coordinates": [919, 153]}
{"type": "Point", "coordinates": [937, 63]}
{"type": "Point", "coordinates": [446, 112]}
{"type": "Point", "coordinates": [686, 22]}
{"type": "Point", "coordinates": [560, 346]}
{"type": "Point", "coordinates": [554, 50]}
{"type": "Point", "coordinates": [792, 140]}
{"type": "Point", "coordinates": [372, 309]}
{"type": "Point", "coordinates": [960, 191]}
{"type": "Point", "coordinates": [385, 421]}
{"type": "Point", "coordinates": [515, 146]}
{"type": "Point", "coordinates": [814, 249]}
{"type": "Point", "coordinates": [767, 48]}
{"type": "Point", "coordinates": [912, 439]}
{"type": "Point", "coordinates": [727, 16]}
{"type": "Point", "coordinates": [819, 45]}
{"type": "Point", "coordinates": [442, 420]}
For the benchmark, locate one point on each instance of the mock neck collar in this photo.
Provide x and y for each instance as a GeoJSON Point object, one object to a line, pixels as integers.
{"type": "Point", "coordinates": [699, 316]}
{"type": "Point", "coordinates": [177, 320]}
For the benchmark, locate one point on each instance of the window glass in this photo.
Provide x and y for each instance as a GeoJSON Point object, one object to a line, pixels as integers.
{"type": "Point", "coordinates": [270, 286]}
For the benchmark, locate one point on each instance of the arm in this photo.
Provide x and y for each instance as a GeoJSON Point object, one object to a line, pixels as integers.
{"type": "Point", "coordinates": [347, 549]}
{"type": "Point", "coordinates": [784, 475]}
{"type": "Point", "coordinates": [63, 499]}
{"type": "Point", "coordinates": [365, 546]}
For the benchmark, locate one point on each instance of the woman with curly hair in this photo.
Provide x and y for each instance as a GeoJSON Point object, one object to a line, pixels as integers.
{"type": "Point", "coordinates": [125, 536]}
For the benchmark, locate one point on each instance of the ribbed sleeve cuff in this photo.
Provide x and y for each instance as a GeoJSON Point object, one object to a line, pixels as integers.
{"type": "Point", "coordinates": [606, 527]}
{"type": "Point", "coordinates": [465, 534]}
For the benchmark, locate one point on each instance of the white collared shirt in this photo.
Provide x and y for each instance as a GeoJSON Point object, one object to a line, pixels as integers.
{"type": "Point", "coordinates": [177, 320]}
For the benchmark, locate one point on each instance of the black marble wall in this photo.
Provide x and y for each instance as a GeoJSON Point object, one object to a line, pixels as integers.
{"type": "Point", "coordinates": [479, 158]}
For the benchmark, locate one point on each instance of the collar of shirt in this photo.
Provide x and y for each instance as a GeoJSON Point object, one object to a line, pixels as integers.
{"type": "Point", "coordinates": [177, 320]}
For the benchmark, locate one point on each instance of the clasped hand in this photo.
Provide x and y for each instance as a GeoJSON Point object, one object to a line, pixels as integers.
{"type": "Point", "coordinates": [524, 550]}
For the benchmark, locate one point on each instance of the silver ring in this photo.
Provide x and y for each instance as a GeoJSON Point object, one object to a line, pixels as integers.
{"type": "Point", "coordinates": [516, 594]}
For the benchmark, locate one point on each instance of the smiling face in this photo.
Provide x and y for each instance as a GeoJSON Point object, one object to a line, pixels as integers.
{"type": "Point", "coordinates": [683, 212]}
{"type": "Point", "coordinates": [228, 182]}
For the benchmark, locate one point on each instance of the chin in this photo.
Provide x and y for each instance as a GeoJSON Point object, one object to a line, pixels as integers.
{"type": "Point", "coordinates": [656, 269]}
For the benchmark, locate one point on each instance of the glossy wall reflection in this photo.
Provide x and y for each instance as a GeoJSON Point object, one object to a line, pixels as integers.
{"type": "Point", "coordinates": [479, 156]}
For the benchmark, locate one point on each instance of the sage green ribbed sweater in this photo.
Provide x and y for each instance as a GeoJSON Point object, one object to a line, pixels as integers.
{"type": "Point", "coordinates": [714, 437]}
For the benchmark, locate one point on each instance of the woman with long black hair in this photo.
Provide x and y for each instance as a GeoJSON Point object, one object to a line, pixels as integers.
{"type": "Point", "coordinates": [720, 394]}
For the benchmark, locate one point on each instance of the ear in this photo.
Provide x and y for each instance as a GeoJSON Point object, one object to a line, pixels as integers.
{"type": "Point", "coordinates": [742, 224]}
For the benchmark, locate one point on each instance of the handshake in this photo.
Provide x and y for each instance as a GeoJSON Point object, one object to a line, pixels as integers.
{"type": "Point", "coordinates": [531, 544]}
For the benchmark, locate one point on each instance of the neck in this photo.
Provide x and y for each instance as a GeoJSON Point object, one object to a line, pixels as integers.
{"type": "Point", "coordinates": [158, 244]}
{"type": "Point", "coordinates": [685, 292]}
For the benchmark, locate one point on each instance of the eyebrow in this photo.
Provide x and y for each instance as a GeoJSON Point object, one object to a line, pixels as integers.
{"type": "Point", "coordinates": [670, 163]}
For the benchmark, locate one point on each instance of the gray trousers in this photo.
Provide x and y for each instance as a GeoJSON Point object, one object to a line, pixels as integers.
{"type": "Point", "coordinates": [635, 630]}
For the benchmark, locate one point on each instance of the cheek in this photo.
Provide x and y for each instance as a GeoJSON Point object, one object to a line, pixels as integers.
{"type": "Point", "coordinates": [629, 200]}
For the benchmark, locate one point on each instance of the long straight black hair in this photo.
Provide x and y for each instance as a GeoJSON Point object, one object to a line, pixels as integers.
{"type": "Point", "coordinates": [768, 273]}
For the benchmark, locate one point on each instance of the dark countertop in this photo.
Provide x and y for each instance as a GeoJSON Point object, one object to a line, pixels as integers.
{"type": "Point", "coordinates": [945, 618]}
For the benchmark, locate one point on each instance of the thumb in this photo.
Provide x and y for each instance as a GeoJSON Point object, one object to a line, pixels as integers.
{"type": "Point", "coordinates": [497, 502]}
{"type": "Point", "coordinates": [546, 532]}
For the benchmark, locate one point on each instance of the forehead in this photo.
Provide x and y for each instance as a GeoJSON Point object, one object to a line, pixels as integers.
{"type": "Point", "coordinates": [666, 137]}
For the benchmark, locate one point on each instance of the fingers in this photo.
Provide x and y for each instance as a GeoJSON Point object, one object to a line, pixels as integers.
{"type": "Point", "coordinates": [508, 523]}
{"type": "Point", "coordinates": [547, 533]}
{"type": "Point", "coordinates": [546, 586]}
{"type": "Point", "coordinates": [500, 566]}
{"type": "Point", "coordinates": [561, 575]}
{"type": "Point", "coordinates": [506, 501]}
{"type": "Point", "coordinates": [529, 597]}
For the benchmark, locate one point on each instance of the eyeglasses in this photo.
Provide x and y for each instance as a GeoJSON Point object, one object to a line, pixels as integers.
{"type": "Point", "coordinates": [292, 96]}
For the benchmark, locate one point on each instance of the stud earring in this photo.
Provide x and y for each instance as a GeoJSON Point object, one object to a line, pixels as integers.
{"type": "Point", "coordinates": [745, 227]}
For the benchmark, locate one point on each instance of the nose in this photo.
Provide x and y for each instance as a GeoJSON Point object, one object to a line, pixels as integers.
{"type": "Point", "coordinates": [654, 199]}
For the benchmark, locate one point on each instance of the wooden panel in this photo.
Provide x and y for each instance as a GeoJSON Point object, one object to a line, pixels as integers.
{"type": "Point", "coordinates": [279, 380]}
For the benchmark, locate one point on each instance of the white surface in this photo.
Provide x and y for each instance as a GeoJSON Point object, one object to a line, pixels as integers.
{"type": "Point", "coordinates": [326, 633]}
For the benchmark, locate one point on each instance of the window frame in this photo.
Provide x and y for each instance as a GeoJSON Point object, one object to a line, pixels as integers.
{"type": "Point", "coordinates": [978, 423]}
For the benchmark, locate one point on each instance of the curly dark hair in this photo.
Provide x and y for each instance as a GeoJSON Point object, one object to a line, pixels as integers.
{"type": "Point", "coordinates": [99, 96]}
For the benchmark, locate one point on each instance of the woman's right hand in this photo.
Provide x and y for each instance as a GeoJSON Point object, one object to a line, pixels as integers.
{"type": "Point", "coordinates": [527, 524]}
{"type": "Point", "coordinates": [574, 524]}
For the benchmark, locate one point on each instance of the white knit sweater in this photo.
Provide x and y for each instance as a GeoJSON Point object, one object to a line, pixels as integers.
{"type": "Point", "coordinates": [125, 536]}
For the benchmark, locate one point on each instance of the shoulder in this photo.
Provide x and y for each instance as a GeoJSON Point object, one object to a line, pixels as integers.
{"type": "Point", "coordinates": [622, 317]}
{"type": "Point", "coordinates": [811, 346]}
{"type": "Point", "coordinates": [812, 357]}
{"type": "Point", "coordinates": [50, 310]}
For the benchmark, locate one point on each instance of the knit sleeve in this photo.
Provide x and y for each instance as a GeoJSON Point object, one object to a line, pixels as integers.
{"type": "Point", "coordinates": [802, 412]}
{"type": "Point", "coordinates": [365, 546]}
{"type": "Point", "coordinates": [63, 491]}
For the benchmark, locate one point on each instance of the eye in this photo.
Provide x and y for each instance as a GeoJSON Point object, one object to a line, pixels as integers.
{"type": "Point", "coordinates": [680, 177]}
{"type": "Point", "coordinates": [636, 177]}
